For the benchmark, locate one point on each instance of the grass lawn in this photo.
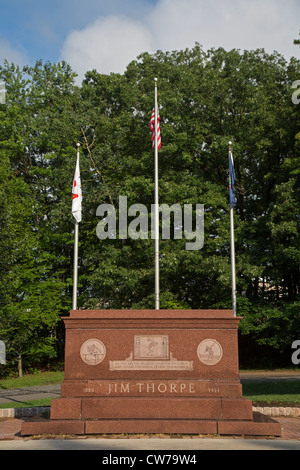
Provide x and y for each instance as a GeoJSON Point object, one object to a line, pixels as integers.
{"type": "Point", "coordinates": [33, 380]}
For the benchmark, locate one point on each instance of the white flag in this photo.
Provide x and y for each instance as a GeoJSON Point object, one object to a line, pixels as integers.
{"type": "Point", "coordinates": [77, 193]}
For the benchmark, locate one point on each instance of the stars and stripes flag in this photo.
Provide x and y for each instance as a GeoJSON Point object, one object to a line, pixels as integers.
{"type": "Point", "coordinates": [152, 127]}
{"type": "Point", "coordinates": [77, 193]}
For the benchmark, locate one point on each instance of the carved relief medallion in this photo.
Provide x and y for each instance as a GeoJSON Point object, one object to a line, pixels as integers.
{"type": "Point", "coordinates": [210, 352]}
{"type": "Point", "coordinates": [92, 352]}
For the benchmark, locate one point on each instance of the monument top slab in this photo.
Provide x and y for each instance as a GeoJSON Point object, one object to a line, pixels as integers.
{"type": "Point", "coordinates": [150, 313]}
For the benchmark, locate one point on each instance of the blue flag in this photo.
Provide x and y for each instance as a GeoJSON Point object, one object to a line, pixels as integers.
{"type": "Point", "coordinates": [232, 197]}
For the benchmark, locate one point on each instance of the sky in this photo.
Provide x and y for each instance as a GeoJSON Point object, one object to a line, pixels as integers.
{"type": "Point", "coordinates": [108, 34]}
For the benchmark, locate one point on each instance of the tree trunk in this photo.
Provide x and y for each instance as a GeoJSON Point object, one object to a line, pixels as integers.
{"type": "Point", "coordinates": [20, 371]}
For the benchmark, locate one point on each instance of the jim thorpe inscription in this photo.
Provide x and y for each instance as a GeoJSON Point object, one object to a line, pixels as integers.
{"type": "Point", "coordinates": [120, 388]}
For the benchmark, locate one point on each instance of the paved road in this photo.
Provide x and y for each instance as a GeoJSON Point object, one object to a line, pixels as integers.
{"type": "Point", "coordinates": [150, 444]}
{"type": "Point", "coordinates": [29, 393]}
{"type": "Point", "coordinates": [269, 376]}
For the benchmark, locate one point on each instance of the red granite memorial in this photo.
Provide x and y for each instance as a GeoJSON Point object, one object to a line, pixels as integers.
{"type": "Point", "coordinates": [152, 371]}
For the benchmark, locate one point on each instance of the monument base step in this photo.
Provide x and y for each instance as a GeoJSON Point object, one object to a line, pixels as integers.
{"type": "Point", "coordinates": [261, 425]}
{"type": "Point", "coordinates": [145, 409]}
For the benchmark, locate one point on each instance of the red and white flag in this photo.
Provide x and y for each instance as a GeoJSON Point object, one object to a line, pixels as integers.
{"type": "Point", "coordinates": [77, 193]}
{"type": "Point", "coordinates": [152, 127]}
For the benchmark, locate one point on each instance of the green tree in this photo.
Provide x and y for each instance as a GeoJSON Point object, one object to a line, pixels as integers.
{"type": "Point", "coordinates": [32, 284]}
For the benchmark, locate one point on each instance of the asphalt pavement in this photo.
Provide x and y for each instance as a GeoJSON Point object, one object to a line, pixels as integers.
{"type": "Point", "coordinates": [269, 376]}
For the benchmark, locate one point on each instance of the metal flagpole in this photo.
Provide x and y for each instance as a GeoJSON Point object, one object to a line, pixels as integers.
{"type": "Point", "coordinates": [233, 280]}
{"type": "Point", "coordinates": [75, 274]}
{"type": "Point", "coordinates": [156, 223]}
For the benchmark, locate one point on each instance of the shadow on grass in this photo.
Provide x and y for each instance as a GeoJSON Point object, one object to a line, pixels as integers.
{"type": "Point", "coordinates": [281, 393]}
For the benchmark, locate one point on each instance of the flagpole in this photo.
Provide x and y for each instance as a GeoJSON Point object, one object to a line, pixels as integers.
{"type": "Point", "coordinates": [75, 274]}
{"type": "Point", "coordinates": [232, 249]}
{"type": "Point", "coordinates": [156, 226]}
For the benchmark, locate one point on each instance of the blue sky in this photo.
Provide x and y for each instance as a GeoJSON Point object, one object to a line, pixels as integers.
{"type": "Point", "coordinates": [108, 34]}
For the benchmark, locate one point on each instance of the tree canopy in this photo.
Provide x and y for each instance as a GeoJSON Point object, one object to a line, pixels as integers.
{"type": "Point", "coordinates": [206, 99]}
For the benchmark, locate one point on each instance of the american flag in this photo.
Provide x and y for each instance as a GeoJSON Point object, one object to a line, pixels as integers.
{"type": "Point", "coordinates": [152, 127]}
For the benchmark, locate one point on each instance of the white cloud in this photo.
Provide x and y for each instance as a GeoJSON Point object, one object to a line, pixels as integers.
{"type": "Point", "coordinates": [110, 43]}
{"type": "Point", "coordinates": [240, 24]}
{"type": "Point", "coordinates": [107, 45]}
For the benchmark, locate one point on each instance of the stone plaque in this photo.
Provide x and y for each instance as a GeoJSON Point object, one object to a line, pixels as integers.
{"type": "Point", "coordinates": [209, 352]}
{"type": "Point", "coordinates": [151, 352]}
{"type": "Point", "coordinates": [92, 352]}
{"type": "Point", "coordinates": [151, 347]}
